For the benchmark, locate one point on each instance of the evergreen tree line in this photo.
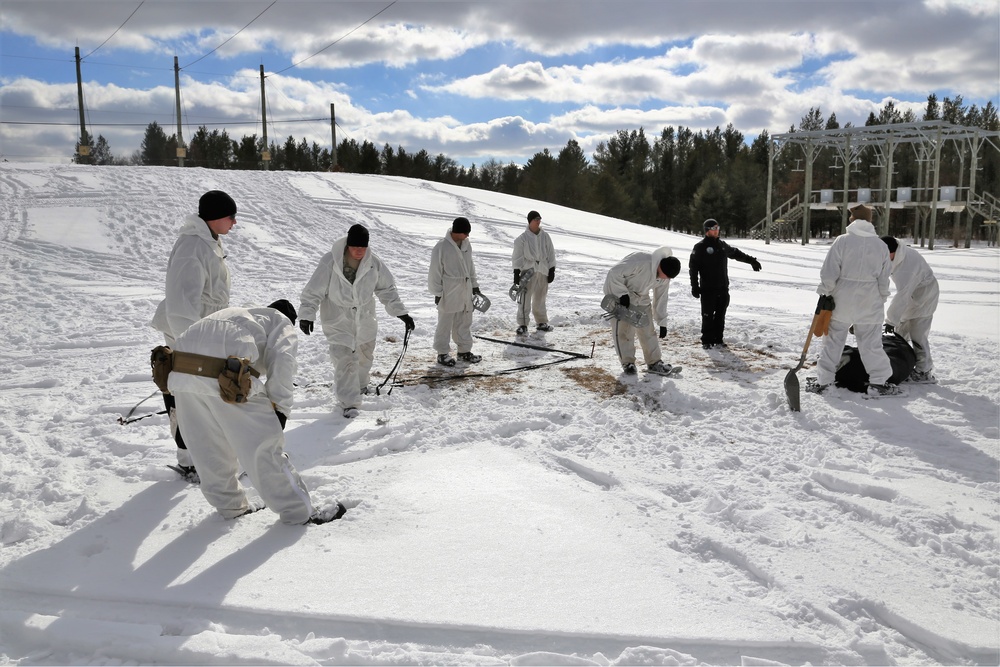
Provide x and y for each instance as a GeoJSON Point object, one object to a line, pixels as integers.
{"type": "Point", "coordinates": [674, 182]}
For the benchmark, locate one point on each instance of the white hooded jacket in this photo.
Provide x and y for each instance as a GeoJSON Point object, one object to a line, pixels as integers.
{"type": "Point", "coordinates": [534, 251]}
{"type": "Point", "coordinates": [917, 289]}
{"type": "Point", "coordinates": [452, 275]}
{"type": "Point", "coordinates": [347, 310]}
{"type": "Point", "coordinates": [636, 275]}
{"type": "Point", "coordinates": [856, 273]}
{"type": "Point", "coordinates": [197, 279]}
{"type": "Point", "coordinates": [263, 335]}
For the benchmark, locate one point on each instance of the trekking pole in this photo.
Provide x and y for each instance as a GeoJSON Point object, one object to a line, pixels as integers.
{"type": "Point", "coordinates": [395, 369]}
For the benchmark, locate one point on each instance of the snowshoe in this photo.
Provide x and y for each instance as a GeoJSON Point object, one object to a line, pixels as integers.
{"type": "Point", "coordinates": [446, 360]}
{"type": "Point", "coordinates": [628, 369]}
{"type": "Point", "coordinates": [521, 330]}
{"type": "Point", "coordinates": [480, 302]}
{"type": "Point", "coordinates": [469, 357]}
{"type": "Point", "coordinates": [882, 390]}
{"type": "Point", "coordinates": [613, 309]}
{"type": "Point", "coordinates": [328, 514]}
{"type": "Point", "coordinates": [814, 387]}
{"type": "Point", "coordinates": [351, 413]}
{"type": "Point", "coordinates": [545, 327]}
{"type": "Point", "coordinates": [518, 290]}
{"type": "Point", "coordinates": [660, 368]}
{"type": "Point", "coordinates": [188, 473]}
{"type": "Point", "coordinates": [922, 377]}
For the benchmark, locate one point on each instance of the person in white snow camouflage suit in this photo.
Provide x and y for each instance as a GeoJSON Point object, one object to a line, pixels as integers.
{"type": "Point", "coordinates": [451, 278]}
{"type": "Point", "coordinates": [225, 437]}
{"type": "Point", "coordinates": [631, 280]}
{"type": "Point", "coordinates": [197, 285]}
{"type": "Point", "coordinates": [533, 250]}
{"type": "Point", "coordinates": [342, 291]}
{"type": "Point", "coordinates": [855, 274]}
{"type": "Point", "coordinates": [911, 310]}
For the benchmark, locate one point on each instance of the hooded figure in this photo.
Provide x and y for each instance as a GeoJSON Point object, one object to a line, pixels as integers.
{"type": "Point", "coordinates": [226, 437]}
{"type": "Point", "coordinates": [451, 278]}
{"type": "Point", "coordinates": [912, 307]}
{"type": "Point", "coordinates": [342, 291]}
{"type": "Point", "coordinates": [533, 250]}
{"type": "Point", "coordinates": [631, 280]}
{"type": "Point", "coordinates": [197, 285]}
{"type": "Point", "coordinates": [856, 274]}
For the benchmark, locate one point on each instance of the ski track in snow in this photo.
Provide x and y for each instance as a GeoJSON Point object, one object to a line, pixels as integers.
{"type": "Point", "coordinates": [868, 529]}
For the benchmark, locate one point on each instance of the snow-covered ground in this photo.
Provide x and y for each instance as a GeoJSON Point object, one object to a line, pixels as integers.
{"type": "Point", "coordinates": [566, 515]}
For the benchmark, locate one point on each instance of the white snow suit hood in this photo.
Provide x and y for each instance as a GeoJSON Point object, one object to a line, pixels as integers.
{"type": "Point", "coordinates": [263, 335]}
{"type": "Point", "coordinates": [534, 251]}
{"type": "Point", "coordinates": [452, 275]}
{"type": "Point", "coordinates": [197, 279]}
{"type": "Point", "coordinates": [347, 310]}
{"type": "Point", "coordinates": [856, 273]}
{"type": "Point", "coordinates": [917, 289]}
{"type": "Point", "coordinates": [636, 276]}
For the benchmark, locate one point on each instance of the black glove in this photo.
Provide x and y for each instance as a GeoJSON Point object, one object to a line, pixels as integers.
{"type": "Point", "coordinates": [408, 321]}
{"type": "Point", "coordinates": [517, 276]}
{"type": "Point", "coordinates": [552, 273]}
{"type": "Point", "coordinates": [437, 300]}
{"type": "Point", "coordinates": [889, 329]}
{"type": "Point", "coordinates": [281, 418]}
{"type": "Point", "coordinates": [475, 290]}
{"type": "Point", "coordinates": [663, 332]}
{"type": "Point", "coordinates": [755, 264]}
{"type": "Point", "coordinates": [306, 326]}
{"type": "Point", "coordinates": [825, 303]}
{"type": "Point", "coordinates": [695, 292]}
{"type": "Point", "coordinates": [624, 301]}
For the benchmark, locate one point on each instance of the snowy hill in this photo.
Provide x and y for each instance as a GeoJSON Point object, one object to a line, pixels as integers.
{"type": "Point", "coordinates": [564, 515]}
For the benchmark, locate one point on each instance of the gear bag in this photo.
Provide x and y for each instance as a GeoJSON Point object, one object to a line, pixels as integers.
{"type": "Point", "coordinates": [851, 373]}
{"type": "Point", "coordinates": [234, 381]}
{"type": "Point", "coordinates": [161, 359]}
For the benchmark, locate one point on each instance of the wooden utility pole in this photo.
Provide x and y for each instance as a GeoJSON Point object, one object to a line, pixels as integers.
{"type": "Point", "coordinates": [333, 134]}
{"type": "Point", "coordinates": [265, 155]}
{"type": "Point", "coordinates": [181, 148]}
{"type": "Point", "coordinates": [83, 152]}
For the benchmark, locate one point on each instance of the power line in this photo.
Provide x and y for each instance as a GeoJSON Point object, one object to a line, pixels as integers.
{"type": "Point", "coordinates": [116, 31]}
{"type": "Point", "coordinates": [339, 39]}
{"type": "Point", "coordinates": [231, 38]}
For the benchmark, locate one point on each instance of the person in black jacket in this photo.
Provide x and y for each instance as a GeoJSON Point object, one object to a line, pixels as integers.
{"type": "Point", "coordinates": [710, 281]}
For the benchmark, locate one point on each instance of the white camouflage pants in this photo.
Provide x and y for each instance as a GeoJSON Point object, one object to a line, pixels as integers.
{"type": "Point", "coordinates": [533, 301]}
{"type": "Point", "coordinates": [625, 334]}
{"type": "Point", "coordinates": [453, 325]}
{"type": "Point", "coordinates": [351, 372]}
{"type": "Point", "coordinates": [222, 437]}
{"type": "Point", "coordinates": [917, 331]}
{"type": "Point", "coordinates": [873, 355]}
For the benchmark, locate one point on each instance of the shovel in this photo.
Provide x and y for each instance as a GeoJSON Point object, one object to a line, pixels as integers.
{"type": "Point", "coordinates": [791, 381]}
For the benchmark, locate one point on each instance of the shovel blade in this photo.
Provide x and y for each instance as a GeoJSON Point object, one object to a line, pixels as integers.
{"type": "Point", "coordinates": [792, 390]}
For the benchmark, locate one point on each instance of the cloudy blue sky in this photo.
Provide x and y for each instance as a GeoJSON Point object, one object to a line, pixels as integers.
{"type": "Point", "coordinates": [500, 79]}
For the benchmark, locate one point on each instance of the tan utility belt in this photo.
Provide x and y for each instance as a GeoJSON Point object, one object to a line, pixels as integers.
{"type": "Point", "coordinates": [205, 366]}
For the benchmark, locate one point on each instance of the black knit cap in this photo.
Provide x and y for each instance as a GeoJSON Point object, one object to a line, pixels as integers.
{"type": "Point", "coordinates": [461, 226]}
{"type": "Point", "coordinates": [357, 236]}
{"type": "Point", "coordinates": [215, 205]}
{"type": "Point", "coordinates": [534, 215]}
{"type": "Point", "coordinates": [285, 307]}
{"type": "Point", "coordinates": [670, 266]}
{"type": "Point", "coordinates": [711, 222]}
{"type": "Point", "coordinates": [891, 242]}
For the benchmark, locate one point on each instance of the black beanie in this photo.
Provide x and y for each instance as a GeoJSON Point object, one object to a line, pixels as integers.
{"type": "Point", "coordinates": [215, 204]}
{"type": "Point", "coordinates": [285, 307]}
{"type": "Point", "coordinates": [670, 266]}
{"type": "Point", "coordinates": [357, 236]}
{"type": "Point", "coordinates": [709, 224]}
{"type": "Point", "coordinates": [891, 242]}
{"type": "Point", "coordinates": [461, 226]}
{"type": "Point", "coordinates": [534, 215]}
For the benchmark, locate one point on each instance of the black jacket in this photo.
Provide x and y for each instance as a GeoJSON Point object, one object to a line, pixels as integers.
{"type": "Point", "coordinates": [708, 264]}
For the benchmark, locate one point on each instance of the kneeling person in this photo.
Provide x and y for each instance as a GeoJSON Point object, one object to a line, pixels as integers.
{"type": "Point", "coordinates": [222, 436]}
